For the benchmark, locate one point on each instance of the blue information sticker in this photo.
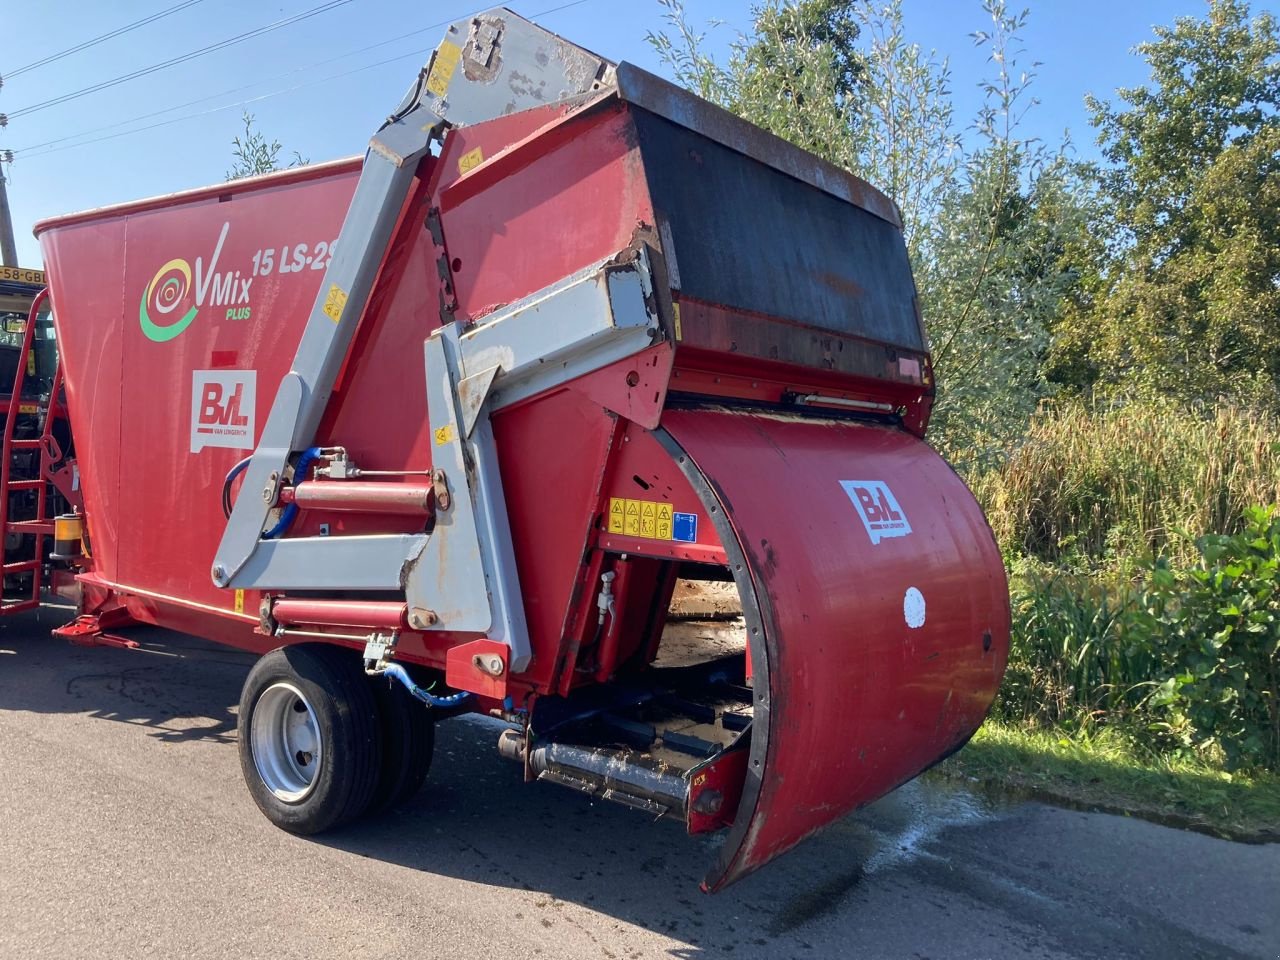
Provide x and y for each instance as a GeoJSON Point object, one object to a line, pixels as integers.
{"type": "Point", "coordinates": [685, 527]}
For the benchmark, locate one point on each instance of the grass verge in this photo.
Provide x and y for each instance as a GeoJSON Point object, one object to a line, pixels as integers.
{"type": "Point", "coordinates": [1107, 773]}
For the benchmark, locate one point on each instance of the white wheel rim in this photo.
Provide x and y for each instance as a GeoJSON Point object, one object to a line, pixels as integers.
{"type": "Point", "coordinates": [284, 736]}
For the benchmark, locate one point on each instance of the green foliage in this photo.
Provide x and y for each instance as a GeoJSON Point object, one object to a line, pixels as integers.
{"type": "Point", "coordinates": [1069, 663]}
{"type": "Point", "coordinates": [838, 78]}
{"type": "Point", "coordinates": [1091, 486]}
{"type": "Point", "coordinates": [905, 138]}
{"type": "Point", "coordinates": [1187, 660]}
{"type": "Point", "coordinates": [794, 76]}
{"type": "Point", "coordinates": [255, 155]}
{"type": "Point", "coordinates": [993, 285]}
{"type": "Point", "coordinates": [1215, 83]}
{"type": "Point", "coordinates": [1217, 627]}
{"type": "Point", "coordinates": [1186, 303]}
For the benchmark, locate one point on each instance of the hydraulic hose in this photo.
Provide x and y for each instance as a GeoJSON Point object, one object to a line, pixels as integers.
{"type": "Point", "coordinates": [398, 672]}
{"type": "Point", "coordinates": [238, 469]}
{"type": "Point", "coordinates": [291, 510]}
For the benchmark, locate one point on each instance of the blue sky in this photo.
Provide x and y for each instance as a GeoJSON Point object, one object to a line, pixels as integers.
{"type": "Point", "coordinates": [1084, 46]}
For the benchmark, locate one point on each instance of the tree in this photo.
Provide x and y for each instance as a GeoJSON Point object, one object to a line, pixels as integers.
{"type": "Point", "coordinates": [880, 108]}
{"type": "Point", "coordinates": [904, 126]}
{"type": "Point", "coordinates": [987, 228]}
{"type": "Point", "coordinates": [254, 154]}
{"type": "Point", "coordinates": [794, 76]}
{"type": "Point", "coordinates": [1188, 305]}
{"type": "Point", "coordinates": [999, 275]}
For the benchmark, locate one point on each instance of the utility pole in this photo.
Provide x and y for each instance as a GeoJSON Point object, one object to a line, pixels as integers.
{"type": "Point", "coordinates": [8, 249]}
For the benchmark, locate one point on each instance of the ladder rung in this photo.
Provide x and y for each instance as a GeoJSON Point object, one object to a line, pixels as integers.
{"type": "Point", "coordinates": [17, 606]}
{"type": "Point", "coordinates": [25, 444]}
{"type": "Point", "coordinates": [21, 566]}
{"type": "Point", "coordinates": [26, 484]}
{"type": "Point", "coordinates": [30, 526]}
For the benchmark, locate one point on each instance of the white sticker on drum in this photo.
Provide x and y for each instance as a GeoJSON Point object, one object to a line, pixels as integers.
{"type": "Point", "coordinates": [879, 509]}
{"type": "Point", "coordinates": [222, 409]}
{"type": "Point", "coordinates": [913, 608]}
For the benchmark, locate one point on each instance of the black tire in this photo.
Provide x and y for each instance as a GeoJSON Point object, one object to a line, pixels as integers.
{"type": "Point", "coordinates": [342, 710]}
{"type": "Point", "coordinates": [408, 742]}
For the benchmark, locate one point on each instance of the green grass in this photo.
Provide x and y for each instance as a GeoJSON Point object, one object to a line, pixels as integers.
{"type": "Point", "coordinates": [1107, 772]}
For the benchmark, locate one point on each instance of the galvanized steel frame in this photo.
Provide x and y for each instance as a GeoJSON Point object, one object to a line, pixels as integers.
{"type": "Point", "coordinates": [464, 571]}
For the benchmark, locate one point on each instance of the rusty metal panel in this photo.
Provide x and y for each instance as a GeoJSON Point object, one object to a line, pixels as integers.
{"type": "Point", "coordinates": [680, 106]}
{"type": "Point", "coordinates": [748, 236]}
{"type": "Point", "coordinates": [496, 63]}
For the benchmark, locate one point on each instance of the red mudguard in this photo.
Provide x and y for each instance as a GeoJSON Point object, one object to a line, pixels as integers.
{"type": "Point", "coordinates": [876, 605]}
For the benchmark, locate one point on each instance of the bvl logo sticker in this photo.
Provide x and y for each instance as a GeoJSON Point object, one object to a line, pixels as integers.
{"type": "Point", "coordinates": [879, 509]}
{"type": "Point", "coordinates": [222, 405]}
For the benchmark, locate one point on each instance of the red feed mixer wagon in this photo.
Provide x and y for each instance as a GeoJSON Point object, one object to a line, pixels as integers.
{"type": "Point", "coordinates": [578, 402]}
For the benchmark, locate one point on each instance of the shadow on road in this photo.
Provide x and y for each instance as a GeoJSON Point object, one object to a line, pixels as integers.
{"type": "Point", "coordinates": [179, 687]}
{"type": "Point", "coordinates": [476, 820]}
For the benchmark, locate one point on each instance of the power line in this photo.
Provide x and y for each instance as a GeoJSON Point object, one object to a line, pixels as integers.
{"type": "Point", "coordinates": [249, 86]}
{"type": "Point", "coordinates": [97, 40]}
{"type": "Point", "coordinates": [228, 106]}
{"type": "Point", "coordinates": [24, 151]}
{"type": "Point", "coordinates": [222, 44]}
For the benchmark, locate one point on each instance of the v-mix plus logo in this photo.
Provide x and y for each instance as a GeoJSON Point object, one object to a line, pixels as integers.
{"type": "Point", "coordinates": [172, 288]}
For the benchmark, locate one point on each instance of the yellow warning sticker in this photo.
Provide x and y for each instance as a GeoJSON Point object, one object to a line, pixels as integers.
{"type": "Point", "coordinates": [648, 519]}
{"type": "Point", "coordinates": [663, 525]}
{"type": "Point", "coordinates": [470, 160]}
{"type": "Point", "coordinates": [675, 313]}
{"type": "Point", "coordinates": [654, 520]}
{"type": "Point", "coordinates": [334, 302]}
{"type": "Point", "coordinates": [444, 435]}
{"type": "Point", "coordinates": [442, 69]}
{"type": "Point", "coordinates": [239, 601]}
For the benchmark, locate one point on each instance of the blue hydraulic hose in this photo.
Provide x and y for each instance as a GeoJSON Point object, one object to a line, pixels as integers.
{"type": "Point", "coordinates": [238, 469]}
{"type": "Point", "coordinates": [291, 510]}
{"type": "Point", "coordinates": [399, 673]}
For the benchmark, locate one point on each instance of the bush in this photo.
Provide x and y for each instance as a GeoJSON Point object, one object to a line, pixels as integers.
{"type": "Point", "coordinates": [1186, 661]}
{"type": "Point", "coordinates": [1069, 665]}
{"type": "Point", "coordinates": [1217, 627]}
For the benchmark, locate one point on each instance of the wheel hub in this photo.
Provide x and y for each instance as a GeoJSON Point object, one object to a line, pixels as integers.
{"type": "Point", "coordinates": [285, 739]}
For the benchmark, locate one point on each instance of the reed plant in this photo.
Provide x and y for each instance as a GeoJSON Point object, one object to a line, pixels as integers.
{"type": "Point", "coordinates": [1105, 487]}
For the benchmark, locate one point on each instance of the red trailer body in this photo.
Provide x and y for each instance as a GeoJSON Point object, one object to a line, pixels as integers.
{"type": "Point", "coordinates": [162, 301]}
{"type": "Point", "coordinates": [768, 431]}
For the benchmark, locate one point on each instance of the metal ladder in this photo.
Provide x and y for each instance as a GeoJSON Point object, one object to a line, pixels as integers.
{"type": "Point", "coordinates": [41, 525]}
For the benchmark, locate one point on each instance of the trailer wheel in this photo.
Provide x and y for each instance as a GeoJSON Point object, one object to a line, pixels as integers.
{"type": "Point", "coordinates": [408, 742]}
{"type": "Point", "coordinates": [309, 745]}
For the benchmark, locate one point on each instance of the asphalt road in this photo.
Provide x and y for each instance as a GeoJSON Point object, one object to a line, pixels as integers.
{"type": "Point", "coordinates": [126, 832]}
